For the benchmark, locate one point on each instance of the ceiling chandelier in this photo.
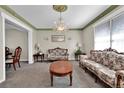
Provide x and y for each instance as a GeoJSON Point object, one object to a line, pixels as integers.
{"type": "Point", "coordinates": [60, 25]}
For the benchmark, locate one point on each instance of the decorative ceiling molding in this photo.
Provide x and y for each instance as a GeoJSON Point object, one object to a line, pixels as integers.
{"type": "Point", "coordinates": [12, 12]}
{"type": "Point", "coordinates": [60, 8]}
{"type": "Point", "coordinates": [40, 29]}
{"type": "Point", "coordinates": [112, 7]}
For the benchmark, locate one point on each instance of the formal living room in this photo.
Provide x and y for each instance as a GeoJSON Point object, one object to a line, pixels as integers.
{"type": "Point", "coordinates": [61, 46]}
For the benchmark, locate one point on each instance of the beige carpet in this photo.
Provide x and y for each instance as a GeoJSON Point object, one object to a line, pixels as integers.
{"type": "Point", "coordinates": [37, 76]}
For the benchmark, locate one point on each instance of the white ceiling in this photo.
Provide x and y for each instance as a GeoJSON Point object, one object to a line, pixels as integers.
{"type": "Point", "coordinates": [43, 16]}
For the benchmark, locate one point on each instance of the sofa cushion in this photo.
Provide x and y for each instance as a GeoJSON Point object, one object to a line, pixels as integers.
{"type": "Point", "coordinates": [119, 63]}
{"type": "Point", "coordinates": [107, 75]}
{"type": "Point", "coordinates": [105, 58]}
{"type": "Point", "coordinates": [96, 56]}
{"type": "Point", "coordinates": [115, 61]}
{"type": "Point", "coordinates": [101, 71]}
{"type": "Point", "coordinates": [112, 60]}
{"type": "Point", "coordinates": [92, 65]}
{"type": "Point", "coordinates": [52, 54]}
{"type": "Point", "coordinates": [93, 55]}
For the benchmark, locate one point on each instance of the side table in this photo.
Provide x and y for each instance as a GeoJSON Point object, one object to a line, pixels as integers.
{"type": "Point", "coordinates": [37, 56]}
{"type": "Point", "coordinates": [77, 56]}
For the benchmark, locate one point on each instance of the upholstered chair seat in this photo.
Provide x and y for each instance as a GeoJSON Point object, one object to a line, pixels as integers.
{"type": "Point", "coordinates": [9, 61]}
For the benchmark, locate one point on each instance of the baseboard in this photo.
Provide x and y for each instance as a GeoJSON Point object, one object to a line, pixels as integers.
{"type": "Point", "coordinates": [23, 59]}
{"type": "Point", "coordinates": [72, 59]}
{"type": "Point", "coordinates": [2, 80]}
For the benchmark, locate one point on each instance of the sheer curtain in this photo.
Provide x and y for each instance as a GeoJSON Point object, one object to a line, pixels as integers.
{"type": "Point", "coordinates": [102, 36]}
{"type": "Point", "coordinates": [118, 33]}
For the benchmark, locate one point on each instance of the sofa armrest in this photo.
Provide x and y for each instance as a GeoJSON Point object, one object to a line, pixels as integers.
{"type": "Point", "coordinates": [83, 57]}
{"type": "Point", "coordinates": [119, 79]}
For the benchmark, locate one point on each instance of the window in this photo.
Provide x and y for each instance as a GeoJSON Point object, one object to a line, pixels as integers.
{"type": "Point", "coordinates": [118, 33]}
{"type": "Point", "coordinates": [102, 36]}
{"type": "Point", "coordinates": [107, 35]}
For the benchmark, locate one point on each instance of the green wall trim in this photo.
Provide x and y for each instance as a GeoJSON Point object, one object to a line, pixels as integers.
{"type": "Point", "coordinates": [108, 10]}
{"type": "Point", "coordinates": [43, 29]}
{"type": "Point", "coordinates": [12, 12]}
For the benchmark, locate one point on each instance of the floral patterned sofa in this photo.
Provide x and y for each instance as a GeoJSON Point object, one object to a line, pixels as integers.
{"type": "Point", "coordinates": [57, 54]}
{"type": "Point", "coordinates": [108, 66]}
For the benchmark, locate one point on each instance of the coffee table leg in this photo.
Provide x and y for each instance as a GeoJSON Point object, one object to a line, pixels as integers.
{"type": "Point", "coordinates": [51, 80]}
{"type": "Point", "coordinates": [70, 79]}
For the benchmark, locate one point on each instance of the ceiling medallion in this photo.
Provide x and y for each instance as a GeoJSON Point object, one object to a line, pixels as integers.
{"type": "Point", "coordinates": [60, 8]}
{"type": "Point", "coordinates": [60, 25]}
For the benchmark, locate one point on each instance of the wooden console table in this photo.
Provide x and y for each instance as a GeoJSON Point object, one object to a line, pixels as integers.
{"type": "Point", "coordinates": [36, 56]}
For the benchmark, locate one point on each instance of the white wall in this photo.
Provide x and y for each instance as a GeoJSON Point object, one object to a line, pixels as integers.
{"type": "Point", "coordinates": [71, 39]}
{"type": "Point", "coordinates": [4, 14]}
{"type": "Point", "coordinates": [88, 39]}
{"type": "Point", "coordinates": [34, 40]}
{"type": "Point", "coordinates": [20, 38]}
{"type": "Point", "coordinates": [2, 49]}
{"type": "Point", "coordinates": [15, 38]}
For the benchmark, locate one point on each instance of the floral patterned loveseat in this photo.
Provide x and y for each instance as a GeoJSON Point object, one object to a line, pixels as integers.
{"type": "Point", "coordinates": [108, 66]}
{"type": "Point", "coordinates": [57, 54]}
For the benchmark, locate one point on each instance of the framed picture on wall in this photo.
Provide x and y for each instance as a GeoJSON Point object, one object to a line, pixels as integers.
{"type": "Point", "coordinates": [58, 38]}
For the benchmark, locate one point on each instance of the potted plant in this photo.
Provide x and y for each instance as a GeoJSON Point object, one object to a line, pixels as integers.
{"type": "Point", "coordinates": [78, 51]}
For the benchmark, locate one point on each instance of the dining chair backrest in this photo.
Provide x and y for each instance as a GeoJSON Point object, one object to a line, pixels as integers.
{"type": "Point", "coordinates": [17, 54]}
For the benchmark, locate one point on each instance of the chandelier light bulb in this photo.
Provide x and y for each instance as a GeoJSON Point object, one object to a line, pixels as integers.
{"type": "Point", "coordinates": [60, 28]}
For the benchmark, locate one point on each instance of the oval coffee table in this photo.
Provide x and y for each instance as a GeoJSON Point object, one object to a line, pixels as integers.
{"type": "Point", "coordinates": [60, 69]}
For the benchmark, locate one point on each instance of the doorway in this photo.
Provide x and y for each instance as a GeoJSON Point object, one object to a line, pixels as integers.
{"type": "Point", "coordinates": [7, 19]}
{"type": "Point", "coordinates": [16, 36]}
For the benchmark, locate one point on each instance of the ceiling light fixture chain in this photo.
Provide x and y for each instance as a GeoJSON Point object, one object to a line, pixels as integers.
{"type": "Point", "coordinates": [60, 16]}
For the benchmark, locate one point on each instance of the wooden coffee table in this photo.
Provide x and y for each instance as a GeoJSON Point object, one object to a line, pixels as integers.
{"type": "Point", "coordinates": [61, 68]}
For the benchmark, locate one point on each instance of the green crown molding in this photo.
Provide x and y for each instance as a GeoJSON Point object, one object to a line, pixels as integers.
{"type": "Point", "coordinates": [108, 10]}
{"type": "Point", "coordinates": [12, 12]}
{"type": "Point", "coordinates": [44, 29]}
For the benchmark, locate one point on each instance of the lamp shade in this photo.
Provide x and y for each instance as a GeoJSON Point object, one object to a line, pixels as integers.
{"type": "Point", "coordinates": [37, 46]}
{"type": "Point", "coordinates": [79, 45]}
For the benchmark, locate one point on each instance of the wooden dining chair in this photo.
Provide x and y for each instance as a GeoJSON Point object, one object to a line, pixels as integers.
{"type": "Point", "coordinates": [15, 59]}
